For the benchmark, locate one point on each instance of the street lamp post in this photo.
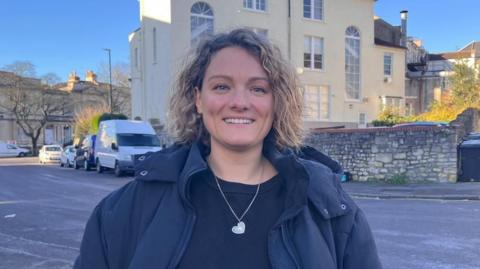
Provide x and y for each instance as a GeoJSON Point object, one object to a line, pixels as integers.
{"type": "Point", "coordinates": [110, 97]}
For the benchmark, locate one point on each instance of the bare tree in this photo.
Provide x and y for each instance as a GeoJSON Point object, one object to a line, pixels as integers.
{"type": "Point", "coordinates": [21, 68]}
{"type": "Point", "coordinates": [31, 104]}
{"type": "Point", "coordinates": [120, 74]}
{"type": "Point", "coordinates": [50, 79]}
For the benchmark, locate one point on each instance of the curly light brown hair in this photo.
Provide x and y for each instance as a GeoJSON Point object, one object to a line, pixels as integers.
{"type": "Point", "coordinates": [185, 124]}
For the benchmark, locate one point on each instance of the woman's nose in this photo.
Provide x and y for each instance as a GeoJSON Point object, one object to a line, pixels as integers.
{"type": "Point", "coordinates": [239, 99]}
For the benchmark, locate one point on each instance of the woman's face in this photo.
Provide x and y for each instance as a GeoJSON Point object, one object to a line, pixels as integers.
{"type": "Point", "coordinates": [236, 100]}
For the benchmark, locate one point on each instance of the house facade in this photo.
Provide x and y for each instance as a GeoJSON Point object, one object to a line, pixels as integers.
{"type": "Point", "coordinates": [348, 74]}
{"type": "Point", "coordinates": [70, 97]}
{"type": "Point", "coordinates": [428, 73]}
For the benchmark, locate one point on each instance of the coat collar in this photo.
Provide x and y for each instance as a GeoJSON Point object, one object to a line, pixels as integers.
{"type": "Point", "coordinates": [309, 175]}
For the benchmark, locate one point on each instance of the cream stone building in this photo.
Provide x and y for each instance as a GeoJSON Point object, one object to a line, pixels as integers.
{"type": "Point", "coordinates": [348, 74]}
{"type": "Point", "coordinates": [73, 96]}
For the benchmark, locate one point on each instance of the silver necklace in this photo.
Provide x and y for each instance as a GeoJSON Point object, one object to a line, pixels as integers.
{"type": "Point", "coordinates": [240, 227]}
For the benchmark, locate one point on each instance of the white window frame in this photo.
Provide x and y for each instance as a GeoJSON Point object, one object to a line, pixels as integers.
{"type": "Point", "coordinates": [312, 50]}
{"type": "Point", "coordinates": [317, 99]}
{"type": "Point", "coordinates": [393, 102]}
{"type": "Point", "coordinates": [312, 7]}
{"type": "Point", "coordinates": [362, 120]}
{"type": "Point", "coordinates": [353, 70]}
{"type": "Point", "coordinates": [257, 5]}
{"type": "Point", "coordinates": [387, 66]}
{"type": "Point", "coordinates": [409, 109]}
{"type": "Point", "coordinates": [206, 16]}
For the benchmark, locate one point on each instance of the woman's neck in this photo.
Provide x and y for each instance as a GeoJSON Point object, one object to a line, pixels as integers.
{"type": "Point", "coordinates": [247, 167]}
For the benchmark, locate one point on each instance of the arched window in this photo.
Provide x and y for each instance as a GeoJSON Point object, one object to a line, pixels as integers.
{"type": "Point", "coordinates": [201, 21]}
{"type": "Point", "coordinates": [352, 63]}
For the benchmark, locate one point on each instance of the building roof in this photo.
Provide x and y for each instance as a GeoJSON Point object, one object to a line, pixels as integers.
{"type": "Point", "coordinates": [384, 43]}
{"type": "Point", "coordinates": [474, 45]}
{"type": "Point", "coordinates": [386, 34]}
{"type": "Point", "coordinates": [7, 78]}
{"type": "Point", "coordinates": [449, 55]}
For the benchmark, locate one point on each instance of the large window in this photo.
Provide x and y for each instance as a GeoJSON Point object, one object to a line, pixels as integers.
{"type": "Point", "coordinates": [138, 140]}
{"type": "Point", "coordinates": [201, 21]}
{"type": "Point", "coordinates": [387, 64]}
{"type": "Point", "coordinates": [313, 9]}
{"type": "Point", "coordinates": [394, 103]}
{"type": "Point", "coordinates": [352, 63]}
{"type": "Point", "coordinates": [317, 102]}
{"type": "Point", "coordinates": [255, 4]}
{"type": "Point", "coordinates": [313, 52]}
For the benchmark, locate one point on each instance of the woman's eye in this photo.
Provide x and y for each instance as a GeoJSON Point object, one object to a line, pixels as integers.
{"type": "Point", "coordinates": [259, 90]}
{"type": "Point", "coordinates": [221, 87]}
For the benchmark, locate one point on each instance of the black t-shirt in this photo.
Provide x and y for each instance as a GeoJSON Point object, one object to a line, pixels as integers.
{"type": "Point", "coordinates": [213, 244]}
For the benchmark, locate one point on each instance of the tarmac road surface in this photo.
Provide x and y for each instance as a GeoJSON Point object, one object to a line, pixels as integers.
{"type": "Point", "coordinates": [43, 210]}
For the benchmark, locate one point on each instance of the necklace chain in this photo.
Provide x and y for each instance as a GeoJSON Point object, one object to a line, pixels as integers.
{"type": "Point", "coordinates": [239, 219]}
{"type": "Point", "coordinates": [228, 204]}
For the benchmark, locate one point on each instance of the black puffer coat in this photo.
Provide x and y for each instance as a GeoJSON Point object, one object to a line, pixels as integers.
{"type": "Point", "coordinates": [148, 222]}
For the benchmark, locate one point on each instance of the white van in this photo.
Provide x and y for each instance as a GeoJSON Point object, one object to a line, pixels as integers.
{"type": "Point", "coordinates": [10, 150]}
{"type": "Point", "coordinates": [119, 140]}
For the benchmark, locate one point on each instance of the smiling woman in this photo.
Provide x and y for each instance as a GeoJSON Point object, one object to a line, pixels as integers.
{"type": "Point", "coordinates": [238, 189]}
{"type": "Point", "coordinates": [235, 101]}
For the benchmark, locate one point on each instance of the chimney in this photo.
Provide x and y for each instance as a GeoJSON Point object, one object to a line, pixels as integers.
{"type": "Point", "coordinates": [72, 80]}
{"type": "Point", "coordinates": [403, 17]}
{"type": "Point", "coordinates": [91, 77]}
{"type": "Point", "coordinates": [72, 77]}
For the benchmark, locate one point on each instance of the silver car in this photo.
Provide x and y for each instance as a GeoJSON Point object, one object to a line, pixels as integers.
{"type": "Point", "coordinates": [68, 156]}
{"type": "Point", "coordinates": [50, 153]}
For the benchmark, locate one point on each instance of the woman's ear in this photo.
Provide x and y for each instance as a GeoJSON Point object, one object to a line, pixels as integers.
{"type": "Point", "coordinates": [198, 100]}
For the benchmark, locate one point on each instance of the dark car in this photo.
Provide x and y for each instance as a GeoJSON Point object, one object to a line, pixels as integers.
{"type": "Point", "coordinates": [85, 153]}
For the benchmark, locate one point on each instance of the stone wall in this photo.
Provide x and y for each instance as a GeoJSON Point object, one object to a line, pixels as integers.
{"type": "Point", "coordinates": [419, 153]}
{"type": "Point", "coordinates": [467, 122]}
{"type": "Point", "coordinates": [427, 153]}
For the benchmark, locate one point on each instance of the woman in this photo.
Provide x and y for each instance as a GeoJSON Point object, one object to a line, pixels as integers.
{"type": "Point", "coordinates": [237, 190]}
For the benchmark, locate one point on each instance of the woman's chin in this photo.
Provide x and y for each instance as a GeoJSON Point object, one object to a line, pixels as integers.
{"type": "Point", "coordinates": [240, 144]}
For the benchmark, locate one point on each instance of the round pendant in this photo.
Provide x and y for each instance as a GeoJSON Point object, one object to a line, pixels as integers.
{"type": "Point", "coordinates": [239, 228]}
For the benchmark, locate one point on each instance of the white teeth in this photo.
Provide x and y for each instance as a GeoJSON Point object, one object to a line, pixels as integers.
{"type": "Point", "coordinates": [238, 121]}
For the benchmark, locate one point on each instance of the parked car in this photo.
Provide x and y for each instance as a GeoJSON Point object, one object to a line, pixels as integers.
{"type": "Point", "coordinates": [50, 153]}
{"type": "Point", "coordinates": [10, 150]}
{"type": "Point", "coordinates": [68, 156]}
{"type": "Point", "coordinates": [118, 142]}
{"type": "Point", "coordinates": [422, 123]}
{"type": "Point", "coordinates": [85, 155]}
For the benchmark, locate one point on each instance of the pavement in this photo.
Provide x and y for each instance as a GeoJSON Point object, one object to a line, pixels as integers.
{"type": "Point", "coordinates": [443, 191]}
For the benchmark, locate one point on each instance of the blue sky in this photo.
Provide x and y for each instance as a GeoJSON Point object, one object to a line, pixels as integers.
{"type": "Point", "coordinates": [64, 35]}
{"type": "Point", "coordinates": [443, 25]}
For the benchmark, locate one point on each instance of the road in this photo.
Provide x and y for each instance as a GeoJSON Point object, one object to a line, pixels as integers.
{"type": "Point", "coordinates": [43, 210]}
{"type": "Point", "coordinates": [425, 234]}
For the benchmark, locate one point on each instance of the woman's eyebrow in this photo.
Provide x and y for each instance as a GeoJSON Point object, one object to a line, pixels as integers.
{"type": "Point", "coordinates": [259, 78]}
{"type": "Point", "coordinates": [230, 79]}
{"type": "Point", "coordinates": [219, 77]}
